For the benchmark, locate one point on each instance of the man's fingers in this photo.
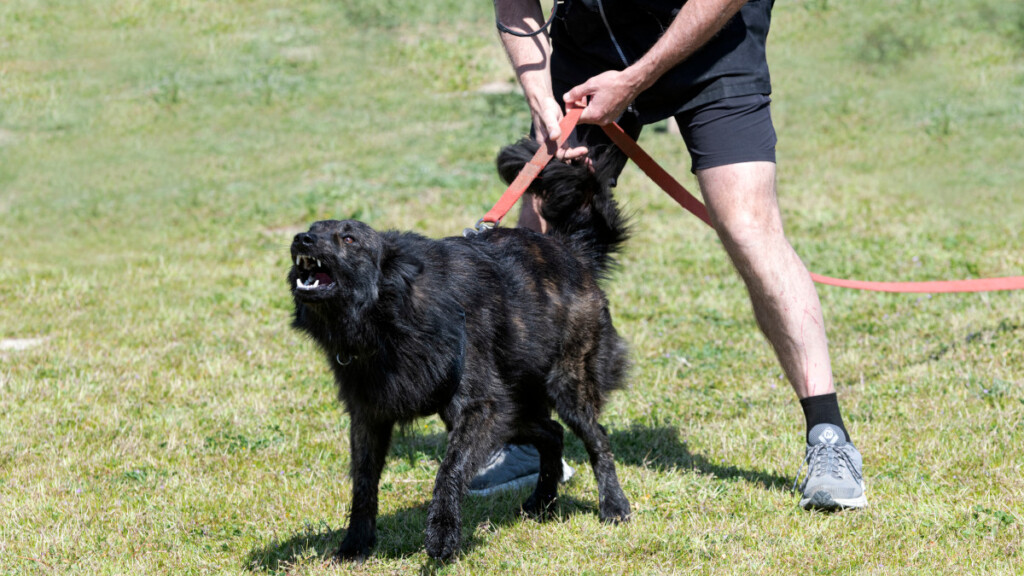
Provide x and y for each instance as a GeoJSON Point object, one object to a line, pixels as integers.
{"type": "Point", "coordinates": [545, 135]}
{"type": "Point", "coordinates": [608, 95]}
{"type": "Point", "coordinates": [571, 153]}
{"type": "Point", "coordinates": [578, 94]}
{"type": "Point", "coordinates": [551, 115]}
{"type": "Point", "coordinates": [547, 130]}
{"type": "Point", "coordinates": [554, 132]}
{"type": "Point", "coordinates": [591, 114]}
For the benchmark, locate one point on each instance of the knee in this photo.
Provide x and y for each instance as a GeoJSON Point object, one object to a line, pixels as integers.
{"type": "Point", "coordinates": [742, 202]}
{"type": "Point", "coordinates": [747, 231]}
{"type": "Point", "coordinates": [755, 246]}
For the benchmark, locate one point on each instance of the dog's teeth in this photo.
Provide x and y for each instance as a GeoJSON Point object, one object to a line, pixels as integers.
{"type": "Point", "coordinates": [297, 260]}
{"type": "Point", "coordinates": [318, 265]}
{"type": "Point", "coordinates": [316, 283]}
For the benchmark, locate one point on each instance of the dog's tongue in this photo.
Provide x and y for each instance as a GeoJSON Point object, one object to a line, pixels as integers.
{"type": "Point", "coordinates": [323, 278]}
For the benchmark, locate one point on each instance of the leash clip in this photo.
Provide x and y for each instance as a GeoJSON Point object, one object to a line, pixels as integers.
{"type": "Point", "coordinates": [479, 227]}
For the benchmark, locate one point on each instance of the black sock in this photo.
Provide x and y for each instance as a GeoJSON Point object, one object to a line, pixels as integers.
{"type": "Point", "coordinates": [822, 409]}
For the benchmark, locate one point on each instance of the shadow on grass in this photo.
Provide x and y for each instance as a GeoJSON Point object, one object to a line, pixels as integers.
{"type": "Point", "coordinates": [400, 534]}
{"type": "Point", "coordinates": [660, 448]}
{"type": "Point", "coordinates": [656, 447]}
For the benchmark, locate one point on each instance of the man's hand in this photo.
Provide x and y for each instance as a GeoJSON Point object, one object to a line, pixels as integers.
{"type": "Point", "coordinates": [546, 115]}
{"type": "Point", "coordinates": [610, 94]}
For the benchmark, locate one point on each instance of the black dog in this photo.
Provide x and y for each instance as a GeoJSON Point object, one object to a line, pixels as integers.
{"type": "Point", "coordinates": [490, 332]}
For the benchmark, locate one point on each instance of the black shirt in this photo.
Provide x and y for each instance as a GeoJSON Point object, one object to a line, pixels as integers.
{"type": "Point", "coordinates": [594, 36]}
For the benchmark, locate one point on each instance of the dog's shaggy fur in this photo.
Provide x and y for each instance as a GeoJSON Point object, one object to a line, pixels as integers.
{"type": "Point", "coordinates": [490, 332]}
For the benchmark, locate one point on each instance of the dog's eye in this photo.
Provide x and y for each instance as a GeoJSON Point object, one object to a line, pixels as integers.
{"type": "Point", "coordinates": [348, 240]}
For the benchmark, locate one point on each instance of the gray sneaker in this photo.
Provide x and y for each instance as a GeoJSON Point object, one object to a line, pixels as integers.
{"type": "Point", "coordinates": [511, 467]}
{"type": "Point", "coordinates": [834, 479]}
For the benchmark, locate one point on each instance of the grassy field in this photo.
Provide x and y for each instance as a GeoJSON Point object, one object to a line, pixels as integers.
{"type": "Point", "coordinates": [158, 416]}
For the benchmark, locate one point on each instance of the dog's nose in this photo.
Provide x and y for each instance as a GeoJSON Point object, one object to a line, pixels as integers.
{"type": "Point", "coordinates": [306, 239]}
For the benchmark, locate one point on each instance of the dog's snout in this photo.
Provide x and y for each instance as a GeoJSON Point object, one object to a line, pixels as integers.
{"type": "Point", "coordinates": [306, 239]}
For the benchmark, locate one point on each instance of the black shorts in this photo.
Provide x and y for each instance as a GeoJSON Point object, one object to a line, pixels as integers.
{"type": "Point", "coordinates": [726, 131]}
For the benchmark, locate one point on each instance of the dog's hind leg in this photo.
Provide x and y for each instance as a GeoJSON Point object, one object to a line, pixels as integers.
{"type": "Point", "coordinates": [588, 370]}
{"type": "Point", "coordinates": [369, 443]}
{"type": "Point", "coordinates": [613, 506]}
{"type": "Point", "coordinates": [547, 436]}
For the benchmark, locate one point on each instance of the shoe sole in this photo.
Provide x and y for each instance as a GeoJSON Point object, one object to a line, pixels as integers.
{"type": "Point", "coordinates": [822, 500]}
{"type": "Point", "coordinates": [567, 473]}
{"type": "Point", "coordinates": [506, 487]}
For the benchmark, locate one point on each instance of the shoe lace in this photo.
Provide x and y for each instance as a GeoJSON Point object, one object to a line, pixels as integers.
{"type": "Point", "coordinates": [824, 459]}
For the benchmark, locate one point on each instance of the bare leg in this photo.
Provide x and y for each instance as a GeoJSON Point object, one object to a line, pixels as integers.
{"type": "Point", "coordinates": [529, 214]}
{"type": "Point", "coordinates": [743, 206]}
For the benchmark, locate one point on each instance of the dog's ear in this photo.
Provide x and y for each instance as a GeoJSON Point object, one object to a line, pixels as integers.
{"type": "Point", "coordinates": [513, 157]}
{"type": "Point", "coordinates": [403, 267]}
{"type": "Point", "coordinates": [399, 268]}
{"type": "Point", "coordinates": [580, 176]}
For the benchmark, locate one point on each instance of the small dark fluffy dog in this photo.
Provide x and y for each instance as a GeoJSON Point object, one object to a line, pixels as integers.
{"type": "Point", "coordinates": [490, 332]}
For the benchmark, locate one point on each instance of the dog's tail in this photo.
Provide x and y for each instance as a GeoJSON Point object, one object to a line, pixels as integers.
{"type": "Point", "coordinates": [577, 201]}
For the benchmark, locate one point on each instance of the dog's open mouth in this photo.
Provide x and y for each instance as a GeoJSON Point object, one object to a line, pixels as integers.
{"type": "Point", "coordinates": [312, 276]}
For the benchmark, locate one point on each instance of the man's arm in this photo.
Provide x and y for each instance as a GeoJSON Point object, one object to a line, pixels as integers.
{"type": "Point", "coordinates": [611, 92]}
{"type": "Point", "coordinates": [530, 58]}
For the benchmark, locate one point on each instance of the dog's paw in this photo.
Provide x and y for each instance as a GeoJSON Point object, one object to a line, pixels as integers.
{"type": "Point", "coordinates": [443, 538]}
{"type": "Point", "coordinates": [539, 507]}
{"type": "Point", "coordinates": [355, 547]}
{"type": "Point", "coordinates": [615, 510]}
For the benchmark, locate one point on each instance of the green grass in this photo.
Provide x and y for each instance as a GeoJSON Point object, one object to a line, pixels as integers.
{"type": "Point", "coordinates": [157, 156]}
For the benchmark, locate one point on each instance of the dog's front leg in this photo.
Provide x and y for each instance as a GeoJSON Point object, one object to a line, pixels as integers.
{"type": "Point", "coordinates": [369, 442]}
{"type": "Point", "coordinates": [468, 444]}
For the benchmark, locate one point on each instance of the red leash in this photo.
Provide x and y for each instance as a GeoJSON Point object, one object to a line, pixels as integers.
{"type": "Point", "coordinates": [518, 186]}
{"type": "Point", "coordinates": [685, 199]}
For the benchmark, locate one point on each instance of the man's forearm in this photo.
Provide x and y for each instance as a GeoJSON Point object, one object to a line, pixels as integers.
{"type": "Point", "coordinates": [529, 56]}
{"type": "Point", "coordinates": [697, 22]}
